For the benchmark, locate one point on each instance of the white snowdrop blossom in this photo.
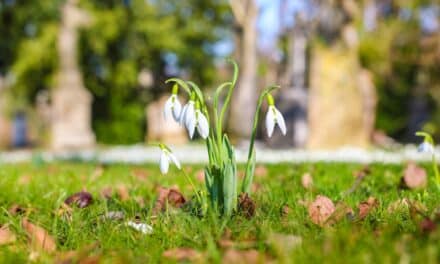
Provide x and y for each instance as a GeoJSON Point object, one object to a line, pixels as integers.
{"type": "Point", "coordinates": [274, 117]}
{"type": "Point", "coordinates": [172, 107]}
{"type": "Point", "coordinates": [202, 124]}
{"type": "Point", "coordinates": [426, 147]}
{"type": "Point", "coordinates": [165, 158]}
{"type": "Point", "coordinates": [187, 114]}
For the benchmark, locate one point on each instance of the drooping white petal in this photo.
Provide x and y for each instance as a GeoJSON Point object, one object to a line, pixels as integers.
{"type": "Point", "coordinates": [270, 122]}
{"type": "Point", "coordinates": [202, 125]}
{"type": "Point", "coordinates": [183, 115]}
{"type": "Point", "coordinates": [167, 108]}
{"type": "Point", "coordinates": [426, 147]}
{"type": "Point", "coordinates": [190, 115]}
{"type": "Point", "coordinates": [177, 108]}
{"type": "Point", "coordinates": [191, 126]}
{"type": "Point", "coordinates": [280, 121]}
{"type": "Point", "coordinates": [164, 162]}
{"type": "Point", "coordinates": [174, 160]}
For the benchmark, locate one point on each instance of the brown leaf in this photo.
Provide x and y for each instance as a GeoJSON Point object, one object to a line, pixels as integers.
{"type": "Point", "coordinates": [123, 193]}
{"type": "Point", "coordinates": [414, 176]}
{"type": "Point", "coordinates": [140, 174]}
{"type": "Point", "coordinates": [81, 199]}
{"type": "Point", "coordinates": [362, 172]}
{"type": "Point", "coordinates": [307, 181]}
{"type": "Point", "coordinates": [183, 254]}
{"type": "Point", "coordinates": [342, 211]}
{"type": "Point", "coordinates": [233, 256]}
{"type": "Point", "coordinates": [246, 206]}
{"type": "Point", "coordinates": [16, 209]}
{"type": "Point", "coordinates": [6, 236]}
{"type": "Point", "coordinates": [39, 237]}
{"type": "Point", "coordinates": [366, 207]}
{"type": "Point", "coordinates": [171, 197]}
{"type": "Point", "coordinates": [107, 192]}
{"type": "Point", "coordinates": [320, 210]}
{"type": "Point", "coordinates": [260, 171]}
{"type": "Point", "coordinates": [427, 226]}
{"type": "Point", "coordinates": [285, 210]}
{"type": "Point", "coordinates": [398, 206]}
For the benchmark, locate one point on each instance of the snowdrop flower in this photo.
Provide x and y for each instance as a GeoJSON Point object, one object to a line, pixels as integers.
{"type": "Point", "coordinates": [141, 227]}
{"type": "Point", "coordinates": [173, 106]}
{"type": "Point", "coordinates": [426, 147]}
{"type": "Point", "coordinates": [165, 158]}
{"type": "Point", "coordinates": [201, 123]}
{"type": "Point", "coordinates": [188, 113]}
{"type": "Point", "coordinates": [274, 117]}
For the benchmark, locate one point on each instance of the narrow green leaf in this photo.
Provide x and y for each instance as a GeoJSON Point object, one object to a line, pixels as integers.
{"type": "Point", "coordinates": [229, 188]}
{"type": "Point", "coordinates": [249, 174]}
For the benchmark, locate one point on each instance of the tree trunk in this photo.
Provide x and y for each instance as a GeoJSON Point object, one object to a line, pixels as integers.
{"type": "Point", "coordinates": [244, 98]}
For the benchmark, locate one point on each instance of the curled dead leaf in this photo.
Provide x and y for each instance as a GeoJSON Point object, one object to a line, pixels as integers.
{"type": "Point", "coordinates": [80, 199]}
{"type": "Point", "coordinates": [140, 174]}
{"type": "Point", "coordinates": [16, 209]}
{"type": "Point", "coordinates": [123, 193]}
{"type": "Point", "coordinates": [285, 210]}
{"type": "Point", "coordinates": [39, 237]}
{"type": "Point", "coordinates": [6, 236]}
{"type": "Point", "coordinates": [261, 171]}
{"type": "Point", "coordinates": [427, 226]}
{"type": "Point", "coordinates": [307, 181]}
{"type": "Point", "coordinates": [233, 256]}
{"type": "Point", "coordinates": [320, 210]}
{"type": "Point", "coordinates": [246, 206]}
{"type": "Point", "coordinates": [366, 207]}
{"type": "Point", "coordinates": [342, 211]}
{"type": "Point", "coordinates": [171, 196]}
{"type": "Point", "coordinates": [183, 254]}
{"type": "Point", "coordinates": [107, 192]}
{"type": "Point", "coordinates": [398, 206]}
{"type": "Point", "coordinates": [414, 177]}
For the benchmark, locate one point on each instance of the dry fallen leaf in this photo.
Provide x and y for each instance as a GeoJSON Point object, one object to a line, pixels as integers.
{"type": "Point", "coordinates": [16, 209]}
{"type": "Point", "coordinates": [260, 171]}
{"type": "Point", "coordinates": [246, 206]}
{"type": "Point", "coordinates": [233, 256]}
{"type": "Point", "coordinates": [39, 237]}
{"type": "Point", "coordinates": [342, 211]}
{"type": "Point", "coordinates": [367, 206]}
{"type": "Point", "coordinates": [398, 206]}
{"type": "Point", "coordinates": [171, 197]}
{"type": "Point", "coordinates": [414, 176]}
{"type": "Point", "coordinates": [123, 193]}
{"type": "Point", "coordinates": [183, 254]}
{"type": "Point", "coordinates": [427, 226]}
{"type": "Point", "coordinates": [140, 174]}
{"type": "Point", "coordinates": [107, 192]}
{"type": "Point", "coordinates": [320, 210]}
{"type": "Point", "coordinates": [6, 236]}
{"type": "Point", "coordinates": [81, 199]}
{"type": "Point", "coordinates": [307, 181]}
{"type": "Point", "coordinates": [200, 176]}
{"type": "Point", "coordinates": [285, 210]}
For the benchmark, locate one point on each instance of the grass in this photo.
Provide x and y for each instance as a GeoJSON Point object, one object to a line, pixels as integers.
{"type": "Point", "coordinates": [384, 236]}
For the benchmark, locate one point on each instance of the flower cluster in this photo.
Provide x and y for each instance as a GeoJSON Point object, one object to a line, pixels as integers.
{"type": "Point", "coordinates": [221, 172]}
{"type": "Point", "coordinates": [189, 116]}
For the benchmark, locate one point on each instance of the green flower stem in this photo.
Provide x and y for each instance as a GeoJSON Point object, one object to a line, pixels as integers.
{"type": "Point", "coordinates": [248, 178]}
{"type": "Point", "coordinates": [199, 198]}
{"type": "Point", "coordinates": [436, 171]}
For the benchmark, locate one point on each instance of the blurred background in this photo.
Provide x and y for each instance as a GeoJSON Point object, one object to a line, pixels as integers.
{"type": "Point", "coordinates": [79, 73]}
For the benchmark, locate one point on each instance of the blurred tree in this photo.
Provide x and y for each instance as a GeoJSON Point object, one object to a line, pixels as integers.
{"type": "Point", "coordinates": [400, 46]}
{"type": "Point", "coordinates": [246, 14]}
{"type": "Point", "coordinates": [166, 37]}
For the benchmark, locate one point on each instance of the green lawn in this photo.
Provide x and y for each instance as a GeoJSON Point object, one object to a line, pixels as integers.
{"type": "Point", "coordinates": [281, 220]}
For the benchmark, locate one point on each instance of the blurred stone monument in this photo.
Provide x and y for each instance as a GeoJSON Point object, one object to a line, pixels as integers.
{"type": "Point", "coordinates": [159, 129]}
{"type": "Point", "coordinates": [71, 102]}
{"type": "Point", "coordinates": [342, 98]}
